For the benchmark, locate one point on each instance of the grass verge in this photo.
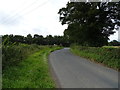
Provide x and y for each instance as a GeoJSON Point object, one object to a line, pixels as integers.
{"type": "Point", "coordinates": [107, 56]}
{"type": "Point", "coordinates": [12, 54]}
{"type": "Point", "coordinates": [33, 72]}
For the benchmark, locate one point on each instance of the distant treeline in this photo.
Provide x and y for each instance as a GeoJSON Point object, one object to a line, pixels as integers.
{"type": "Point", "coordinates": [36, 39]}
{"type": "Point", "coordinates": [114, 43]}
{"type": "Point", "coordinates": [40, 40]}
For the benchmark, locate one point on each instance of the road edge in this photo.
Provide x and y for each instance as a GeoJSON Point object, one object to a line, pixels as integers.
{"type": "Point", "coordinates": [52, 72]}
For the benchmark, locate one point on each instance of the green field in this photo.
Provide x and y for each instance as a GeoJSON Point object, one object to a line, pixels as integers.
{"type": "Point", "coordinates": [31, 72]}
{"type": "Point", "coordinates": [107, 56]}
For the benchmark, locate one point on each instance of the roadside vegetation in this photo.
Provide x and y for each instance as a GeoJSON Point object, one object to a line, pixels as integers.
{"type": "Point", "coordinates": [13, 54]}
{"type": "Point", "coordinates": [31, 71]}
{"type": "Point", "coordinates": [26, 65]}
{"type": "Point", "coordinates": [90, 25]}
{"type": "Point", "coordinates": [24, 59]}
{"type": "Point", "coordinates": [108, 56]}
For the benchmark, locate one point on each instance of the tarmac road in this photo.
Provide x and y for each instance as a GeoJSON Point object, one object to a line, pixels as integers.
{"type": "Point", "coordinates": [71, 71]}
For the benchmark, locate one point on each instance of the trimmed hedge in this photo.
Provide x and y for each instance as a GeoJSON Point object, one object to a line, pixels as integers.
{"type": "Point", "coordinates": [107, 56]}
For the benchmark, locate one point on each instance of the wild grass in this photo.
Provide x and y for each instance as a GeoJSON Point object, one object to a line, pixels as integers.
{"type": "Point", "coordinates": [31, 72]}
{"type": "Point", "coordinates": [13, 54]}
{"type": "Point", "coordinates": [107, 56]}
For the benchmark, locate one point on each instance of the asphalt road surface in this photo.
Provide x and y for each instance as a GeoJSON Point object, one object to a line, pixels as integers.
{"type": "Point", "coordinates": [71, 71]}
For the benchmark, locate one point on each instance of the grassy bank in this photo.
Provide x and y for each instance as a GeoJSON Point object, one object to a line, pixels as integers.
{"type": "Point", "coordinates": [32, 72]}
{"type": "Point", "coordinates": [13, 54]}
{"type": "Point", "coordinates": [107, 56]}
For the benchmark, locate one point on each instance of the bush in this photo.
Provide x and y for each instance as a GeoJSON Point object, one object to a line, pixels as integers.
{"type": "Point", "coordinates": [13, 54]}
{"type": "Point", "coordinates": [107, 56]}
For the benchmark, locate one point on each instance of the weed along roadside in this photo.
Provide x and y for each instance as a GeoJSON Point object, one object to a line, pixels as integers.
{"type": "Point", "coordinates": [32, 72]}
{"type": "Point", "coordinates": [109, 57]}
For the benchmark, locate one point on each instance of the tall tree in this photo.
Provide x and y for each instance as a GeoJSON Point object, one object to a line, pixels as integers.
{"type": "Point", "coordinates": [90, 23]}
{"type": "Point", "coordinates": [49, 40]}
{"type": "Point", "coordinates": [38, 39]}
{"type": "Point", "coordinates": [29, 39]}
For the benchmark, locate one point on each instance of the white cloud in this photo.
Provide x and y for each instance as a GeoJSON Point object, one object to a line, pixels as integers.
{"type": "Point", "coordinates": [114, 36]}
{"type": "Point", "coordinates": [22, 17]}
{"type": "Point", "coordinates": [31, 16]}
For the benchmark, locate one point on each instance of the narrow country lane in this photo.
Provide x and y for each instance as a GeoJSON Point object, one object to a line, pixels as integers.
{"type": "Point", "coordinates": [71, 71]}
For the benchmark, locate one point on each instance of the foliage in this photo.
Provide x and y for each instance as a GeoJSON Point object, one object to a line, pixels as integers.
{"type": "Point", "coordinates": [13, 54]}
{"type": "Point", "coordinates": [32, 72]}
{"type": "Point", "coordinates": [36, 39]}
{"type": "Point", "coordinates": [108, 56]}
{"type": "Point", "coordinates": [25, 65]}
{"type": "Point", "coordinates": [114, 43]}
{"type": "Point", "coordinates": [90, 23]}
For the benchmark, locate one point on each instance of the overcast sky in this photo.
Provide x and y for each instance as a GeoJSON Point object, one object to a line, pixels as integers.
{"type": "Point", "coordinates": [21, 17]}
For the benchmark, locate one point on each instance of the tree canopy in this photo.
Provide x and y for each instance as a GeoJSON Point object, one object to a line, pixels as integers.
{"type": "Point", "coordinates": [36, 39]}
{"type": "Point", "coordinates": [90, 23]}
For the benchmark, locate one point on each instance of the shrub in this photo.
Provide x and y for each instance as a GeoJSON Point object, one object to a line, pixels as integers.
{"type": "Point", "coordinates": [107, 56]}
{"type": "Point", "coordinates": [13, 54]}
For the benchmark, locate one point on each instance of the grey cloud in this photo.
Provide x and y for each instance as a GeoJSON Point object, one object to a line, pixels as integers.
{"type": "Point", "coordinates": [41, 31]}
{"type": "Point", "coordinates": [6, 19]}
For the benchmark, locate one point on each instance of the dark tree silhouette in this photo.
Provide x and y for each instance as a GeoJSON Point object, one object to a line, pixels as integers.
{"type": "Point", "coordinates": [114, 43]}
{"type": "Point", "coordinates": [29, 39]}
{"type": "Point", "coordinates": [90, 23]}
{"type": "Point", "coordinates": [36, 39]}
